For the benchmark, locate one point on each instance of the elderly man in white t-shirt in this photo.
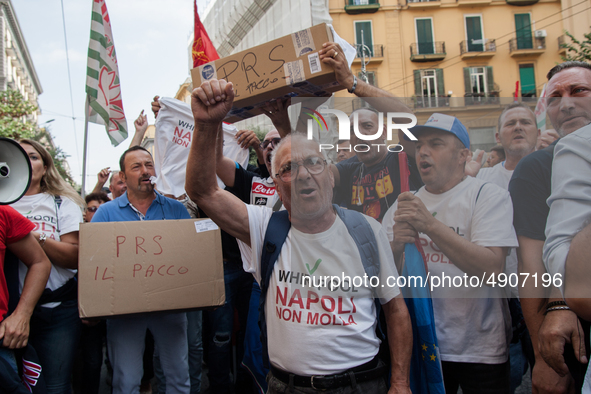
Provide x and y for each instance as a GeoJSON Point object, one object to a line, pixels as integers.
{"type": "Point", "coordinates": [465, 228]}
{"type": "Point", "coordinates": [317, 339]}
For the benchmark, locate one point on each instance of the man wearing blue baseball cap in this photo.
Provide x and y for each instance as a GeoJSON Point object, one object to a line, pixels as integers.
{"type": "Point", "coordinates": [465, 228]}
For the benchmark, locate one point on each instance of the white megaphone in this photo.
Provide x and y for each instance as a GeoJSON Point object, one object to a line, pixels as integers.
{"type": "Point", "coordinates": [15, 171]}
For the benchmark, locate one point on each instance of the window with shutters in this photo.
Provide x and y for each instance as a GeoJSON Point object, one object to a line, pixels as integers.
{"type": "Point", "coordinates": [424, 33]}
{"type": "Point", "coordinates": [523, 31]}
{"type": "Point", "coordinates": [527, 77]}
{"type": "Point", "coordinates": [372, 77]}
{"type": "Point", "coordinates": [478, 80]}
{"type": "Point", "coordinates": [479, 84]}
{"type": "Point", "coordinates": [429, 88]}
{"type": "Point", "coordinates": [474, 33]}
{"type": "Point", "coordinates": [364, 36]}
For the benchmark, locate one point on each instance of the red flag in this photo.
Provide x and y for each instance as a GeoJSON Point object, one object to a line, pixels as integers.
{"type": "Point", "coordinates": [203, 49]}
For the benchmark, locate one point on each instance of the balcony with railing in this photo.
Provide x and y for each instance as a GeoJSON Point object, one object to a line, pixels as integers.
{"type": "Point", "coordinates": [521, 2]}
{"type": "Point", "coordinates": [354, 7]}
{"type": "Point", "coordinates": [423, 3]}
{"type": "Point", "coordinates": [427, 51]}
{"type": "Point", "coordinates": [523, 46]}
{"type": "Point", "coordinates": [478, 48]}
{"type": "Point", "coordinates": [491, 98]}
{"type": "Point", "coordinates": [430, 102]}
{"type": "Point", "coordinates": [375, 53]}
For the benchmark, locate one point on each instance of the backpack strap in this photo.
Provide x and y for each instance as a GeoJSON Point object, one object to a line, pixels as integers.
{"type": "Point", "coordinates": [275, 237]}
{"type": "Point", "coordinates": [362, 233]}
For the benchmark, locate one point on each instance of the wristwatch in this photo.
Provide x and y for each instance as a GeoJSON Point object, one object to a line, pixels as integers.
{"type": "Point", "coordinates": [352, 90]}
{"type": "Point", "coordinates": [42, 239]}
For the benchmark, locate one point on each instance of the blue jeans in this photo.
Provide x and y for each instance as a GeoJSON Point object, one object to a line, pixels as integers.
{"type": "Point", "coordinates": [55, 334]}
{"type": "Point", "coordinates": [126, 343]}
{"type": "Point", "coordinates": [518, 362]}
{"type": "Point", "coordinates": [253, 348]}
{"type": "Point", "coordinates": [238, 286]}
{"type": "Point", "coordinates": [10, 381]}
{"type": "Point", "coordinates": [194, 333]}
{"type": "Point", "coordinates": [8, 355]}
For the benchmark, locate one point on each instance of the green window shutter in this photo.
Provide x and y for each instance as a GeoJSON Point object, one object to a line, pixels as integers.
{"type": "Point", "coordinates": [418, 90]}
{"type": "Point", "coordinates": [523, 31]}
{"type": "Point", "coordinates": [367, 38]}
{"type": "Point", "coordinates": [490, 81]}
{"type": "Point", "coordinates": [467, 84]}
{"type": "Point", "coordinates": [528, 80]}
{"type": "Point", "coordinates": [425, 36]}
{"type": "Point", "coordinates": [440, 84]}
{"type": "Point", "coordinates": [474, 33]}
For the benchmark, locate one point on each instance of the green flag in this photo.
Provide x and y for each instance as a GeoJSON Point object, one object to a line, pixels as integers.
{"type": "Point", "coordinates": [102, 77]}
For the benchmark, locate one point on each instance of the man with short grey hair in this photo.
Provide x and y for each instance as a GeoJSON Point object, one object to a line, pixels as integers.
{"type": "Point", "coordinates": [305, 353]}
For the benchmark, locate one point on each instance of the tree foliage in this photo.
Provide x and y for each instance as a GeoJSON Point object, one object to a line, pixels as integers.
{"type": "Point", "coordinates": [252, 159]}
{"type": "Point", "coordinates": [57, 154]}
{"type": "Point", "coordinates": [15, 124]}
{"type": "Point", "coordinates": [14, 110]}
{"type": "Point", "coordinates": [577, 50]}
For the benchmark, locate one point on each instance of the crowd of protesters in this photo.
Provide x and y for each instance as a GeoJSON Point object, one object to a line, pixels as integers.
{"type": "Point", "coordinates": [292, 216]}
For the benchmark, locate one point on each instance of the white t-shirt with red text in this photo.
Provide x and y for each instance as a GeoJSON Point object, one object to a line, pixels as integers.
{"type": "Point", "coordinates": [312, 330]}
{"type": "Point", "coordinates": [475, 325]}
{"type": "Point", "coordinates": [42, 210]}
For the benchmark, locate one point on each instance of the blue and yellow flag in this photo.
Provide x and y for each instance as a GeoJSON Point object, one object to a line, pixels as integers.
{"type": "Point", "coordinates": [425, 368]}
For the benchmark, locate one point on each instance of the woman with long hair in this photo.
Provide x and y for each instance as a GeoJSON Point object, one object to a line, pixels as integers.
{"type": "Point", "coordinates": [56, 210]}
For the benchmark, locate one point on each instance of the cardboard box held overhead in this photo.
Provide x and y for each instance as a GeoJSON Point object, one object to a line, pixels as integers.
{"type": "Point", "coordinates": [148, 266]}
{"type": "Point", "coordinates": [286, 67]}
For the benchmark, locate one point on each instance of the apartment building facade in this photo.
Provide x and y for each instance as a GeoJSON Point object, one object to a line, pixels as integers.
{"type": "Point", "coordinates": [467, 58]}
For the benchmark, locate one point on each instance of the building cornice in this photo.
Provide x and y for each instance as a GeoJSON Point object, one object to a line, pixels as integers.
{"type": "Point", "coordinates": [10, 15]}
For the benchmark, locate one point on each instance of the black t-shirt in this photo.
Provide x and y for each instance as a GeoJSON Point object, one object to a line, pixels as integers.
{"type": "Point", "coordinates": [372, 190]}
{"type": "Point", "coordinates": [530, 187]}
{"type": "Point", "coordinates": [247, 185]}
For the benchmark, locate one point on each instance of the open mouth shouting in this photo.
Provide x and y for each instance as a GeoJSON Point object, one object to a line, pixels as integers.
{"type": "Point", "coordinates": [425, 167]}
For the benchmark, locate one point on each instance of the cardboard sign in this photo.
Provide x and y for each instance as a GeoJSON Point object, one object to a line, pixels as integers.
{"type": "Point", "coordinates": [286, 67]}
{"type": "Point", "coordinates": [148, 266]}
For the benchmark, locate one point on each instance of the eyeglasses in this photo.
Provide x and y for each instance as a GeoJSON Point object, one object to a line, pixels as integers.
{"type": "Point", "coordinates": [91, 209]}
{"type": "Point", "coordinates": [272, 141]}
{"type": "Point", "coordinates": [315, 165]}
